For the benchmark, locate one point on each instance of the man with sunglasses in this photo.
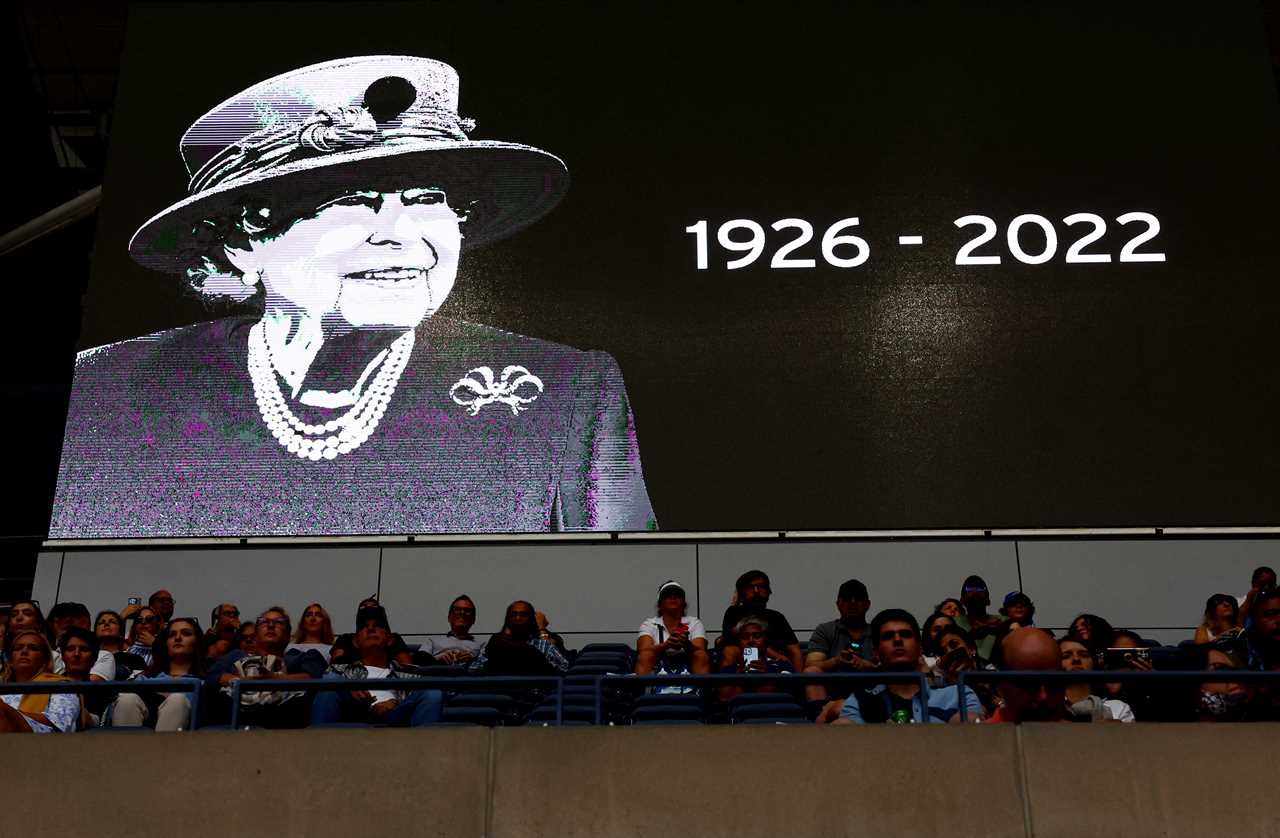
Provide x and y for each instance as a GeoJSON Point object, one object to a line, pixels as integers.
{"type": "Point", "coordinates": [897, 637]}
{"type": "Point", "coordinates": [458, 646]}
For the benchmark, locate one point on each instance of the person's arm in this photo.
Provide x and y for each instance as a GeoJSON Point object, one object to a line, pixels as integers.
{"type": "Point", "coordinates": [794, 657]}
{"type": "Point", "coordinates": [555, 657]}
{"type": "Point", "coordinates": [1242, 613]}
{"type": "Point", "coordinates": [851, 712]}
{"type": "Point", "coordinates": [973, 708]}
{"type": "Point", "coordinates": [646, 654]}
{"type": "Point", "coordinates": [1202, 635]}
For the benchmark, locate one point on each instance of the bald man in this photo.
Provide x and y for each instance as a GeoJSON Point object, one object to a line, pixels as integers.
{"type": "Point", "coordinates": [1031, 650]}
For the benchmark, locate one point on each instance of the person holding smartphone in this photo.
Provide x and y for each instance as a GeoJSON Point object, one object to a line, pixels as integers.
{"type": "Point", "coordinates": [752, 635]}
{"type": "Point", "coordinates": [671, 640]}
{"type": "Point", "coordinates": [841, 645]}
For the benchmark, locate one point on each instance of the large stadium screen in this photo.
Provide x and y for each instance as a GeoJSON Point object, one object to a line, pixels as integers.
{"type": "Point", "coordinates": [464, 268]}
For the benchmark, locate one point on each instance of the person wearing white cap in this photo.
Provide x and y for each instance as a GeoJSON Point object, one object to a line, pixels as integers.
{"type": "Point", "coordinates": [671, 639]}
{"type": "Point", "coordinates": [334, 205]}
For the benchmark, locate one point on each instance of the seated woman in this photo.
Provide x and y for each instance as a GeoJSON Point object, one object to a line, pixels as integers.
{"type": "Point", "coordinates": [315, 631]}
{"type": "Point", "coordinates": [30, 658]}
{"type": "Point", "coordinates": [83, 660]}
{"type": "Point", "coordinates": [1220, 616]}
{"type": "Point", "coordinates": [957, 652]}
{"type": "Point", "coordinates": [180, 655]}
{"type": "Point", "coordinates": [1094, 632]}
{"type": "Point", "coordinates": [929, 642]}
{"type": "Point", "coordinates": [1226, 701]}
{"type": "Point", "coordinates": [142, 635]}
{"type": "Point", "coordinates": [1081, 697]}
{"type": "Point", "coordinates": [26, 614]}
{"type": "Point", "coordinates": [950, 606]}
{"type": "Point", "coordinates": [672, 641]}
{"type": "Point", "coordinates": [108, 628]}
{"type": "Point", "coordinates": [753, 655]}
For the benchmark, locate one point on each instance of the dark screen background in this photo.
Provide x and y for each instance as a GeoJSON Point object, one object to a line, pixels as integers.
{"type": "Point", "coordinates": [905, 393]}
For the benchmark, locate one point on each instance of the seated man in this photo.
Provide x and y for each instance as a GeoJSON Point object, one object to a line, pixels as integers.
{"type": "Point", "coordinates": [268, 661]}
{"type": "Point", "coordinates": [344, 648]}
{"type": "Point", "coordinates": [517, 649]}
{"type": "Point", "coordinates": [841, 645]}
{"type": "Point", "coordinates": [751, 637]}
{"type": "Point", "coordinates": [976, 599]}
{"type": "Point", "coordinates": [224, 623]}
{"type": "Point", "coordinates": [407, 708]}
{"type": "Point", "coordinates": [753, 592]}
{"type": "Point", "coordinates": [459, 645]}
{"type": "Point", "coordinates": [897, 637]}
{"type": "Point", "coordinates": [1031, 649]}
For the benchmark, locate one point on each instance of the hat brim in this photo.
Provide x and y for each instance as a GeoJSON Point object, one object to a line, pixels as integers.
{"type": "Point", "coordinates": [501, 187]}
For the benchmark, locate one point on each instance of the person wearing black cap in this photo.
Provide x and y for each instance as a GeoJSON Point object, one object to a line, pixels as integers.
{"type": "Point", "coordinates": [671, 639]}
{"type": "Point", "coordinates": [841, 645]}
{"type": "Point", "coordinates": [344, 648]}
{"type": "Point", "coordinates": [976, 599]}
{"type": "Point", "coordinates": [398, 708]}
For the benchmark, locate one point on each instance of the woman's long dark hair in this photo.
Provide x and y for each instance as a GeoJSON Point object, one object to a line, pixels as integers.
{"type": "Point", "coordinates": [42, 624]}
{"type": "Point", "coordinates": [160, 649]}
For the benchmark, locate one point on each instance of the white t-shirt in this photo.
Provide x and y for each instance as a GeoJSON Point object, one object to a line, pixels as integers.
{"type": "Point", "coordinates": [380, 696]}
{"type": "Point", "coordinates": [649, 628]}
{"type": "Point", "coordinates": [105, 666]}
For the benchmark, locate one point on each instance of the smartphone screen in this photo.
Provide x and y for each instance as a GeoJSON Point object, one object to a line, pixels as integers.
{"type": "Point", "coordinates": [750, 655]}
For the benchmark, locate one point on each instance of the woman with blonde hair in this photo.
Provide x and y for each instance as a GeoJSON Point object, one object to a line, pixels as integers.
{"type": "Point", "coordinates": [315, 631]}
{"type": "Point", "coordinates": [30, 660]}
{"type": "Point", "coordinates": [1220, 613]}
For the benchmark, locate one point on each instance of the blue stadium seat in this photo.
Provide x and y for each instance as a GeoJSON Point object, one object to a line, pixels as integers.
{"type": "Point", "coordinates": [487, 716]}
{"type": "Point", "coordinates": [667, 722]}
{"type": "Point", "coordinates": [750, 713]}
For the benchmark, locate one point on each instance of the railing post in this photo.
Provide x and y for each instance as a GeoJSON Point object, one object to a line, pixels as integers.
{"type": "Point", "coordinates": [235, 705]}
{"type": "Point", "coordinates": [960, 688]}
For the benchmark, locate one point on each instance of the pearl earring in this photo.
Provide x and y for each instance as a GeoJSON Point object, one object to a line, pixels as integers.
{"type": "Point", "coordinates": [250, 278]}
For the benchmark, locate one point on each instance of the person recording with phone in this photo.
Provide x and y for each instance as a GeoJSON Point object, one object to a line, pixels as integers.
{"type": "Point", "coordinates": [1262, 581]}
{"type": "Point", "coordinates": [671, 640]}
{"type": "Point", "coordinates": [757, 656]}
{"type": "Point", "coordinates": [841, 645]}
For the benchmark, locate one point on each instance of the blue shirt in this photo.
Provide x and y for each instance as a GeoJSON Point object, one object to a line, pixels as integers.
{"type": "Point", "coordinates": [944, 703]}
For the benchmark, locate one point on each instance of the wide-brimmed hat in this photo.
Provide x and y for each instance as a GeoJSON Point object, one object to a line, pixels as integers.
{"type": "Point", "coordinates": [355, 123]}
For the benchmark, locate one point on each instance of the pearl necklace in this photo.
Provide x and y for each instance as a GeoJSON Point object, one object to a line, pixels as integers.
{"type": "Point", "coordinates": [353, 427]}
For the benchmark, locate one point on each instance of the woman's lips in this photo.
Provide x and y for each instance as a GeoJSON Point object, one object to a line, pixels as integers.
{"type": "Point", "coordinates": [388, 275]}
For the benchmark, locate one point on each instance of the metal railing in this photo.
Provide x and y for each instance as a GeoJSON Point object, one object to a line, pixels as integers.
{"type": "Point", "coordinates": [1035, 678]}
{"type": "Point", "coordinates": [177, 685]}
{"type": "Point", "coordinates": [750, 678]}
{"type": "Point", "coordinates": [447, 684]}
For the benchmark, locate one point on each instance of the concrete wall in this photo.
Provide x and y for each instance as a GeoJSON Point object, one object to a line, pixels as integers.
{"type": "Point", "coordinates": [601, 591]}
{"type": "Point", "coordinates": [988, 781]}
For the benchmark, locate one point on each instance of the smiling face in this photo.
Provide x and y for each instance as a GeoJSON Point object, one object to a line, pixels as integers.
{"type": "Point", "coordinates": [368, 259]}
{"type": "Point", "coordinates": [462, 616]}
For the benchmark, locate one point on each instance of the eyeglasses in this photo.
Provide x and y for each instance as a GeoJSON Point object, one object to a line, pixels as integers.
{"type": "Point", "coordinates": [456, 610]}
{"type": "Point", "coordinates": [273, 621]}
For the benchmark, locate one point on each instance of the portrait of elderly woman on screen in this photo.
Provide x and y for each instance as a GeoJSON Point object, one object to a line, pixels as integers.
{"type": "Point", "coordinates": [336, 203]}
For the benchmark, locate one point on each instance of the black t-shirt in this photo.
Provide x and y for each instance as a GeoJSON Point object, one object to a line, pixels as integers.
{"type": "Point", "coordinates": [781, 634]}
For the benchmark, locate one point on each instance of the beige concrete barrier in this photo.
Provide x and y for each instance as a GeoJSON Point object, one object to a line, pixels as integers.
{"type": "Point", "coordinates": [346, 782]}
{"type": "Point", "coordinates": [756, 781]}
{"type": "Point", "coordinates": [703, 782]}
{"type": "Point", "coordinates": [1135, 780]}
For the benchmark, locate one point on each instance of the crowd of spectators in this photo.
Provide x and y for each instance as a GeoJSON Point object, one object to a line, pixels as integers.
{"type": "Point", "coordinates": [148, 643]}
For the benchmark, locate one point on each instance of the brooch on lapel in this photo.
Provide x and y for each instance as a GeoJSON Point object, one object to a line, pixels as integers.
{"type": "Point", "coordinates": [517, 388]}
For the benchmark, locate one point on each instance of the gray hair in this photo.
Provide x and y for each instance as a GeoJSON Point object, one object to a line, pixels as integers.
{"type": "Point", "coordinates": [751, 620]}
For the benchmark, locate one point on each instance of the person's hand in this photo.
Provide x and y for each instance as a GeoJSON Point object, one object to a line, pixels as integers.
{"type": "Point", "coordinates": [846, 658]}
{"type": "Point", "coordinates": [130, 610]}
{"type": "Point", "coordinates": [362, 696]}
{"type": "Point", "coordinates": [228, 678]}
{"type": "Point", "coordinates": [145, 637]}
{"type": "Point", "coordinates": [1139, 664]}
{"type": "Point", "coordinates": [773, 654]}
{"type": "Point", "coordinates": [830, 712]}
{"type": "Point", "coordinates": [382, 708]}
{"type": "Point", "coordinates": [863, 665]}
{"type": "Point", "coordinates": [541, 620]}
{"type": "Point", "coordinates": [756, 665]}
{"type": "Point", "coordinates": [454, 656]}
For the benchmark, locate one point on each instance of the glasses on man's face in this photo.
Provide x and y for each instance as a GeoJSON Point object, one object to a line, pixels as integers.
{"type": "Point", "coordinates": [272, 621]}
{"type": "Point", "coordinates": [467, 611]}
